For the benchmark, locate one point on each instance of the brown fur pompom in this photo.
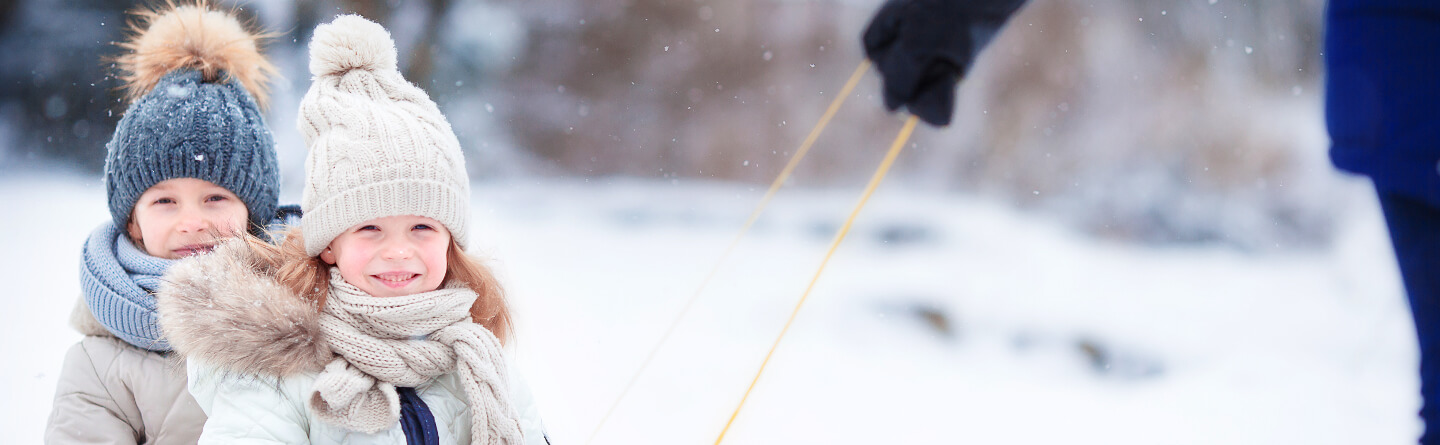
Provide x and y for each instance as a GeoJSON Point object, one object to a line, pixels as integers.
{"type": "Point", "coordinates": [197, 37]}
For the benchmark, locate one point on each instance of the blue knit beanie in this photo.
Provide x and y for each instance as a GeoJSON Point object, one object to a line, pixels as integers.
{"type": "Point", "coordinates": [193, 115]}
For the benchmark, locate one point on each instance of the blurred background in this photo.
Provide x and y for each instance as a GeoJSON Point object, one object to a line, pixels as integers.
{"type": "Point", "coordinates": [1168, 121]}
{"type": "Point", "coordinates": [1130, 234]}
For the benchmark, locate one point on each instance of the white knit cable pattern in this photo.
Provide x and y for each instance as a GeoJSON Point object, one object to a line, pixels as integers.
{"type": "Point", "coordinates": [378, 145]}
{"type": "Point", "coordinates": [375, 338]}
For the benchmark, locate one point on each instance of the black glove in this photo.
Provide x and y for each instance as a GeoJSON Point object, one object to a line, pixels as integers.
{"type": "Point", "coordinates": [923, 47]}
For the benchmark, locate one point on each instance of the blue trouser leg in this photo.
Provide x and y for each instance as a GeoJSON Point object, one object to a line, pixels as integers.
{"type": "Point", "coordinates": [1415, 231]}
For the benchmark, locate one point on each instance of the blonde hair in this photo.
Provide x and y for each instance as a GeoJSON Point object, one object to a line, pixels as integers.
{"type": "Point", "coordinates": [309, 277]}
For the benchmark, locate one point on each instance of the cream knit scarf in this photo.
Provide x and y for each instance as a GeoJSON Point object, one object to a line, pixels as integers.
{"type": "Point", "coordinates": [407, 341]}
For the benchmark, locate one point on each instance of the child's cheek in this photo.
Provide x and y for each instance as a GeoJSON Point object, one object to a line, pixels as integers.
{"type": "Point", "coordinates": [239, 219]}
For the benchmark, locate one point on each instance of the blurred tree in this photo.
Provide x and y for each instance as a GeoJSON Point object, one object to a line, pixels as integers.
{"type": "Point", "coordinates": [60, 102]}
{"type": "Point", "coordinates": [1159, 121]}
{"type": "Point", "coordinates": [673, 87]}
{"type": "Point", "coordinates": [417, 48]}
{"type": "Point", "coordinates": [7, 12]}
{"type": "Point", "coordinates": [63, 102]}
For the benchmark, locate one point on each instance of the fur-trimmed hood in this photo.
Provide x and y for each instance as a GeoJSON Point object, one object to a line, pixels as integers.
{"type": "Point", "coordinates": [227, 310]}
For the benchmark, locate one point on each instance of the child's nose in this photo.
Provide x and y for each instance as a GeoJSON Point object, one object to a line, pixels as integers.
{"type": "Point", "coordinates": [398, 250]}
{"type": "Point", "coordinates": [193, 221]}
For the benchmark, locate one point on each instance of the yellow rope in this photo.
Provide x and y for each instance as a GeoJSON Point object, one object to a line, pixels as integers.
{"type": "Point", "coordinates": [754, 215]}
{"type": "Point", "coordinates": [869, 189]}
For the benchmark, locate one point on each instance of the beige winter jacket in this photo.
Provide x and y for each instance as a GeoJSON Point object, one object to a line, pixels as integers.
{"type": "Point", "coordinates": [113, 393]}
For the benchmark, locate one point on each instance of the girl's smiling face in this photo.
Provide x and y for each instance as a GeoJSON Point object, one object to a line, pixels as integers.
{"type": "Point", "coordinates": [392, 256]}
{"type": "Point", "coordinates": [181, 217]}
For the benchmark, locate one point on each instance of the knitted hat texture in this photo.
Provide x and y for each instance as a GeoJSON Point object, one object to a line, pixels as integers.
{"type": "Point", "coordinates": [190, 71]}
{"type": "Point", "coordinates": [378, 145]}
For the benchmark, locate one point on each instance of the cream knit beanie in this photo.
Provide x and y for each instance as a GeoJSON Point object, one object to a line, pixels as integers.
{"type": "Point", "coordinates": [378, 146]}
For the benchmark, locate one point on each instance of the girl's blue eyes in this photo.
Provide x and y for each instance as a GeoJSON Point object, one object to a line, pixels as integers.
{"type": "Point", "coordinates": [211, 198]}
{"type": "Point", "coordinates": [416, 227]}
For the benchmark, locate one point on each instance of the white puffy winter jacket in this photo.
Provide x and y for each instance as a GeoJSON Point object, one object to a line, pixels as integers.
{"type": "Point", "coordinates": [254, 349]}
{"type": "Point", "coordinates": [268, 410]}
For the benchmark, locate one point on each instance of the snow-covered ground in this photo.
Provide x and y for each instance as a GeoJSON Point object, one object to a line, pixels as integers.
{"type": "Point", "coordinates": [943, 319]}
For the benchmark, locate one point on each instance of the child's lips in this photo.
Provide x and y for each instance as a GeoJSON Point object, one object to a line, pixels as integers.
{"type": "Point", "coordinates": [192, 250]}
{"type": "Point", "coordinates": [396, 280]}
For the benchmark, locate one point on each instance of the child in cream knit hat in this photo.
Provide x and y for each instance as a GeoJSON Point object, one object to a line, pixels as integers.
{"type": "Point", "coordinates": [369, 324]}
{"type": "Point", "coordinates": [378, 145]}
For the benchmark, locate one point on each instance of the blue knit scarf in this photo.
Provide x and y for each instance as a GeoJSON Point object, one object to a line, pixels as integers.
{"type": "Point", "coordinates": [119, 282]}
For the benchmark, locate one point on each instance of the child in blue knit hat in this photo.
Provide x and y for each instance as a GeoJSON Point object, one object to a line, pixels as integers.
{"type": "Point", "coordinates": [192, 162]}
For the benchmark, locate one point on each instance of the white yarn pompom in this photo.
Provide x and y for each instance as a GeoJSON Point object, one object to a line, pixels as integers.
{"type": "Point", "coordinates": [351, 42]}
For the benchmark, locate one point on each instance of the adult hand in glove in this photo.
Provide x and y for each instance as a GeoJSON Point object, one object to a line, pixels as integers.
{"type": "Point", "coordinates": [923, 47]}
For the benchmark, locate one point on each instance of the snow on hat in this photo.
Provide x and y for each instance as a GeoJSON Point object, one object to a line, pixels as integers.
{"type": "Point", "coordinates": [378, 146]}
{"type": "Point", "coordinates": [195, 79]}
